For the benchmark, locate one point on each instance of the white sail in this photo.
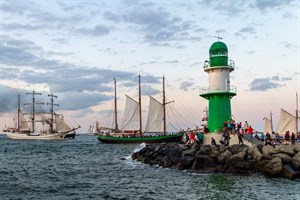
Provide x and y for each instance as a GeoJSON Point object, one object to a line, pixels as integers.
{"type": "Point", "coordinates": [287, 122]}
{"type": "Point", "coordinates": [155, 121]}
{"type": "Point", "coordinates": [268, 126]}
{"type": "Point", "coordinates": [131, 115]}
{"type": "Point", "coordinates": [23, 123]}
{"type": "Point", "coordinates": [60, 124]}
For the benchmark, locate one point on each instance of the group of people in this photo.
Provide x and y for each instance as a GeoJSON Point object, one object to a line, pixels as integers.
{"type": "Point", "coordinates": [192, 136]}
{"type": "Point", "coordinates": [274, 139]}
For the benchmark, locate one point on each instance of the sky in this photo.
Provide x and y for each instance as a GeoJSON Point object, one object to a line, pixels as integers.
{"type": "Point", "coordinates": [74, 49]}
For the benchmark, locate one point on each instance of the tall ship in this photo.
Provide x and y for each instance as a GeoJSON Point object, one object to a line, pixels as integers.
{"type": "Point", "coordinates": [56, 127]}
{"type": "Point", "coordinates": [131, 130]}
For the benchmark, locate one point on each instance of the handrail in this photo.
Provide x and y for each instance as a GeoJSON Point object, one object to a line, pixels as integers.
{"type": "Point", "coordinates": [218, 88]}
{"type": "Point", "coordinates": [230, 64]}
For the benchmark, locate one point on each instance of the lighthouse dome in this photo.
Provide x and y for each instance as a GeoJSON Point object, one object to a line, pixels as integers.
{"type": "Point", "coordinates": [218, 54]}
{"type": "Point", "coordinates": [218, 46]}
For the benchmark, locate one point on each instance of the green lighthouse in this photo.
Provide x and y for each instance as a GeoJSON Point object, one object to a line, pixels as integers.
{"type": "Point", "coordinates": [219, 92]}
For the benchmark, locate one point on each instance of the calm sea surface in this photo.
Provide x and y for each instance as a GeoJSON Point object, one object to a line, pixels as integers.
{"type": "Point", "coordinates": [83, 168]}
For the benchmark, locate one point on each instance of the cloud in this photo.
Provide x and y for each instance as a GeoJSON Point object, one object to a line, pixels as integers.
{"type": "Point", "coordinates": [159, 27]}
{"type": "Point", "coordinates": [98, 30]}
{"type": "Point", "coordinates": [148, 90]}
{"type": "Point", "coordinates": [288, 45]}
{"type": "Point", "coordinates": [78, 86]}
{"type": "Point", "coordinates": [246, 31]}
{"type": "Point", "coordinates": [264, 5]}
{"type": "Point", "coordinates": [185, 85]}
{"type": "Point", "coordinates": [263, 84]}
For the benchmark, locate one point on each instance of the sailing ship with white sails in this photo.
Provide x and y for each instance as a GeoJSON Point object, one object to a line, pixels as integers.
{"type": "Point", "coordinates": [58, 128]}
{"type": "Point", "coordinates": [131, 130]}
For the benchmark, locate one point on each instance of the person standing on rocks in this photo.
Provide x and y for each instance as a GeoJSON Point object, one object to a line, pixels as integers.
{"type": "Point", "coordinates": [246, 126]}
{"type": "Point", "coordinates": [213, 141]}
{"type": "Point", "coordinates": [293, 138]}
{"type": "Point", "coordinates": [287, 137]}
{"type": "Point", "coordinates": [240, 136]}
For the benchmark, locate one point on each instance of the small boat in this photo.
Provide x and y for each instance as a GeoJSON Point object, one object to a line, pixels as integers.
{"type": "Point", "coordinates": [58, 129]}
{"type": "Point", "coordinates": [131, 131]}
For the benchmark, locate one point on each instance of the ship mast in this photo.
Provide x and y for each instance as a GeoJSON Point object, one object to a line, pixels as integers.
{"type": "Point", "coordinates": [52, 110]}
{"type": "Point", "coordinates": [33, 107]}
{"type": "Point", "coordinates": [140, 104]}
{"type": "Point", "coordinates": [116, 117]}
{"type": "Point", "coordinates": [164, 104]}
{"type": "Point", "coordinates": [19, 112]}
{"type": "Point", "coordinates": [297, 113]}
{"type": "Point", "coordinates": [271, 121]}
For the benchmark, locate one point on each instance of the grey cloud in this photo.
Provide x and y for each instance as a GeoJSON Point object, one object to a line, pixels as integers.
{"type": "Point", "coordinates": [263, 84]}
{"type": "Point", "coordinates": [61, 40]}
{"type": "Point", "coordinates": [149, 90]}
{"type": "Point", "coordinates": [27, 27]}
{"type": "Point", "coordinates": [246, 31]}
{"type": "Point", "coordinates": [270, 4]}
{"type": "Point", "coordinates": [98, 30]}
{"type": "Point", "coordinates": [185, 85]}
{"type": "Point", "coordinates": [288, 45]}
{"type": "Point", "coordinates": [84, 86]}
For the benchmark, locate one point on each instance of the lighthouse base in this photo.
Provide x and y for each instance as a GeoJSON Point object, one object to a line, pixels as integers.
{"type": "Point", "coordinates": [218, 136]}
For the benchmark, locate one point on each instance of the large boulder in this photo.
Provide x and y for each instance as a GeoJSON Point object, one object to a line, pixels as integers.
{"type": "Point", "coordinates": [204, 150]}
{"type": "Point", "coordinates": [222, 158]}
{"type": "Point", "coordinates": [214, 153]}
{"type": "Point", "coordinates": [296, 148]}
{"type": "Point", "coordinates": [296, 161]}
{"type": "Point", "coordinates": [202, 161]}
{"type": "Point", "coordinates": [238, 161]}
{"type": "Point", "coordinates": [189, 152]}
{"type": "Point", "coordinates": [183, 163]}
{"type": "Point", "coordinates": [266, 150]}
{"type": "Point", "coordinates": [286, 159]}
{"type": "Point", "coordinates": [273, 166]}
{"type": "Point", "coordinates": [286, 149]}
{"type": "Point", "coordinates": [236, 148]}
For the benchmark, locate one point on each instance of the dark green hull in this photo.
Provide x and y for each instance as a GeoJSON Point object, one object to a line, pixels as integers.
{"type": "Point", "coordinates": [153, 139]}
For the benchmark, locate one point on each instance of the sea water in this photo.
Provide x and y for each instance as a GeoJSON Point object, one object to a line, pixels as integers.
{"type": "Point", "coordinates": [83, 168]}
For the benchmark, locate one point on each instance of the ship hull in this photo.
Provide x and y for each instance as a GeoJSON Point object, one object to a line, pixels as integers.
{"type": "Point", "coordinates": [152, 139]}
{"type": "Point", "coordinates": [24, 136]}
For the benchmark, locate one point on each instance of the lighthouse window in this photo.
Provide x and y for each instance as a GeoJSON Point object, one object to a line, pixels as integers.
{"type": "Point", "coordinates": [219, 54]}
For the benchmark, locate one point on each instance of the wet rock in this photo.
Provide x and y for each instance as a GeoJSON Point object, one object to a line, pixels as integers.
{"type": "Point", "coordinates": [296, 161]}
{"type": "Point", "coordinates": [203, 160]}
{"type": "Point", "coordinates": [259, 147]}
{"type": "Point", "coordinates": [289, 172]}
{"type": "Point", "coordinates": [273, 166]}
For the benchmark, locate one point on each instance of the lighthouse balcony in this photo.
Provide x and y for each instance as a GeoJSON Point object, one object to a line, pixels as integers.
{"type": "Point", "coordinates": [218, 89]}
{"type": "Point", "coordinates": [230, 65]}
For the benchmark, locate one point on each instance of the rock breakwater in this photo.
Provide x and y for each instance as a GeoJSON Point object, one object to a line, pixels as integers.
{"type": "Point", "coordinates": [282, 160]}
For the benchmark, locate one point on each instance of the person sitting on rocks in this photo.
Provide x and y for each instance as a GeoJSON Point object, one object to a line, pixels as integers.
{"type": "Point", "coordinates": [268, 142]}
{"type": "Point", "coordinates": [274, 143]}
{"type": "Point", "coordinates": [213, 141]}
{"type": "Point", "coordinates": [192, 137]}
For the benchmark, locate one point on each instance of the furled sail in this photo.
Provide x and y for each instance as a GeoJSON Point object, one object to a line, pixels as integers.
{"type": "Point", "coordinates": [23, 123]}
{"type": "Point", "coordinates": [287, 122]}
{"type": "Point", "coordinates": [268, 126]}
{"type": "Point", "coordinates": [60, 124]}
{"type": "Point", "coordinates": [131, 120]}
{"type": "Point", "coordinates": [155, 121]}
